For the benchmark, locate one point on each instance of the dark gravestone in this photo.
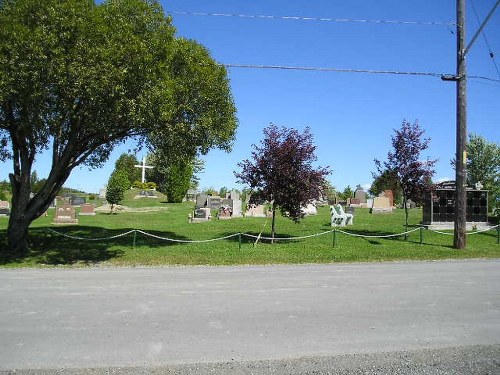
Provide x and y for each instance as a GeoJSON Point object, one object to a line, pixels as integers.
{"type": "Point", "coordinates": [214, 202]}
{"type": "Point", "coordinates": [77, 201]}
{"type": "Point", "coordinates": [227, 202]}
{"type": "Point", "coordinates": [200, 214]}
{"type": "Point", "coordinates": [201, 200]}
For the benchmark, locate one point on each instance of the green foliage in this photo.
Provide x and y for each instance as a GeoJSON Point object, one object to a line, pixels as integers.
{"type": "Point", "coordinates": [222, 192]}
{"type": "Point", "coordinates": [347, 193]}
{"type": "Point", "coordinates": [329, 192]}
{"type": "Point", "coordinates": [178, 181]}
{"type": "Point", "coordinates": [92, 197]}
{"type": "Point", "coordinates": [483, 165]}
{"type": "Point", "coordinates": [200, 113]}
{"type": "Point", "coordinates": [210, 191]}
{"type": "Point", "coordinates": [117, 185]}
{"type": "Point", "coordinates": [127, 163]}
{"type": "Point", "coordinates": [3, 196]}
{"type": "Point", "coordinates": [79, 77]}
{"type": "Point", "coordinates": [138, 185]}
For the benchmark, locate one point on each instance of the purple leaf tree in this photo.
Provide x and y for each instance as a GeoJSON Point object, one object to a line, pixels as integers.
{"type": "Point", "coordinates": [281, 172]}
{"type": "Point", "coordinates": [412, 174]}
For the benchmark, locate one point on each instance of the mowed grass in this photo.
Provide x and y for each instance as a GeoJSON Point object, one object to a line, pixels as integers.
{"type": "Point", "coordinates": [171, 221]}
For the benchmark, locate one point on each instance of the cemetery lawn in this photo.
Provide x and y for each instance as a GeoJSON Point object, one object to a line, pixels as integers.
{"type": "Point", "coordinates": [171, 221]}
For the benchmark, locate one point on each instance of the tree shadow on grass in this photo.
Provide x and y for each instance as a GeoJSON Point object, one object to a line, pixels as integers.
{"type": "Point", "coordinates": [76, 244]}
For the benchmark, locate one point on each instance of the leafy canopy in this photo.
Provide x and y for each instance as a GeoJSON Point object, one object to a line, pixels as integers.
{"type": "Point", "coordinates": [77, 78]}
{"type": "Point", "coordinates": [117, 185]}
{"type": "Point", "coordinates": [483, 165]}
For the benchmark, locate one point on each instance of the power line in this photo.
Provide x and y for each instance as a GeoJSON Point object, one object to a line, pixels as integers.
{"type": "Point", "coordinates": [345, 70]}
{"type": "Point", "coordinates": [486, 40]}
{"type": "Point", "coordinates": [338, 70]}
{"type": "Point", "coordinates": [319, 19]}
{"type": "Point", "coordinates": [341, 70]}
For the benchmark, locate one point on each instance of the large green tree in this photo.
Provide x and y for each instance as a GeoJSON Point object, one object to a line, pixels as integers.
{"type": "Point", "coordinates": [77, 78]}
{"type": "Point", "coordinates": [483, 165]}
{"type": "Point", "coordinates": [127, 163]}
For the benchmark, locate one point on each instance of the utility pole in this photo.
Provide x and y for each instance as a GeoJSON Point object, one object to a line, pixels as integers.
{"type": "Point", "coordinates": [460, 238]}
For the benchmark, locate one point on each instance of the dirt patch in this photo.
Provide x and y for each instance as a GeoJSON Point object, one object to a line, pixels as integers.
{"type": "Point", "coordinates": [120, 208]}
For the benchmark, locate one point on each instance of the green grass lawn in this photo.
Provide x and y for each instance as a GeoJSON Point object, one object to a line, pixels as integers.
{"type": "Point", "coordinates": [49, 249]}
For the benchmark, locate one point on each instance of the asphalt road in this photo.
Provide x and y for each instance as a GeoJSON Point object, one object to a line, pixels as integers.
{"type": "Point", "coordinates": [253, 319]}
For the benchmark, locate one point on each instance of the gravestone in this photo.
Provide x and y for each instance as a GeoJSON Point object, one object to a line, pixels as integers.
{"type": "Point", "coordinates": [200, 215]}
{"type": "Point", "coordinates": [191, 195]}
{"type": "Point", "coordinates": [389, 194]}
{"type": "Point", "coordinates": [225, 212]}
{"type": "Point", "coordinates": [309, 209]}
{"type": "Point", "coordinates": [77, 201]}
{"type": "Point", "coordinates": [237, 208]}
{"type": "Point", "coordinates": [381, 205]}
{"type": "Point", "coordinates": [410, 204]}
{"type": "Point", "coordinates": [201, 200]}
{"type": "Point", "coordinates": [360, 194]}
{"type": "Point", "coordinates": [87, 209]}
{"type": "Point", "coordinates": [354, 202]}
{"type": "Point", "coordinates": [214, 202]}
{"type": "Point", "coordinates": [4, 208]}
{"type": "Point", "coordinates": [235, 195]}
{"type": "Point", "coordinates": [65, 214]}
{"type": "Point", "coordinates": [369, 203]}
{"type": "Point", "coordinates": [102, 192]}
{"type": "Point", "coordinates": [146, 194]}
{"type": "Point", "coordinates": [255, 211]}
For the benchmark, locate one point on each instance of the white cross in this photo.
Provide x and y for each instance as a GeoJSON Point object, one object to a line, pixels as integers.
{"type": "Point", "coordinates": [143, 166]}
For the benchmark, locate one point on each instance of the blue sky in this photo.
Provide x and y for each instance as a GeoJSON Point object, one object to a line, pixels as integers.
{"type": "Point", "coordinates": [351, 115]}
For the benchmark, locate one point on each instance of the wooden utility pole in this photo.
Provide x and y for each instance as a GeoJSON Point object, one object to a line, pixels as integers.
{"type": "Point", "coordinates": [460, 238]}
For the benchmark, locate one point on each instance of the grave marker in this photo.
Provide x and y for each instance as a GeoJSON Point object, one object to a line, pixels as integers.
{"type": "Point", "coordinates": [4, 208]}
{"type": "Point", "coordinates": [65, 214]}
{"type": "Point", "coordinates": [87, 209]}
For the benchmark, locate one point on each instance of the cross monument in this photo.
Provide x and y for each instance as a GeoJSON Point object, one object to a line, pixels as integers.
{"type": "Point", "coordinates": [143, 166]}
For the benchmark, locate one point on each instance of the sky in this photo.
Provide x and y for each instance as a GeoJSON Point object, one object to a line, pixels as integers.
{"type": "Point", "coordinates": [352, 116]}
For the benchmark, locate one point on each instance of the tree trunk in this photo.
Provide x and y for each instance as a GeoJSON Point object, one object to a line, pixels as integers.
{"type": "Point", "coordinates": [17, 234]}
{"type": "Point", "coordinates": [273, 224]}
{"type": "Point", "coordinates": [406, 215]}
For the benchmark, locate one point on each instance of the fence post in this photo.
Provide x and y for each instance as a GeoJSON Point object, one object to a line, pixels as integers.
{"type": "Point", "coordinates": [498, 234]}
{"type": "Point", "coordinates": [334, 237]}
{"type": "Point", "coordinates": [239, 241]}
{"type": "Point", "coordinates": [421, 235]}
{"type": "Point", "coordinates": [135, 237]}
